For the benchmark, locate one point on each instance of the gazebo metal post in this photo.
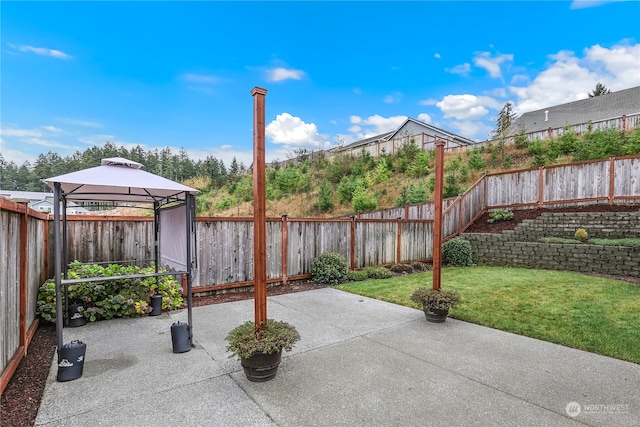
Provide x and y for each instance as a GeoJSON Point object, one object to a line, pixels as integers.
{"type": "Point", "coordinates": [65, 261]}
{"type": "Point", "coordinates": [156, 240]}
{"type": "Point", "coordinates": [190, 208]}
{"type": "Point", "coordinates": [56, 263]}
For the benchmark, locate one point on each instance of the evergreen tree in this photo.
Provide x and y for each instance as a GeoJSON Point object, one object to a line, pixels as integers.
{"type": "Point", "coordinates": [599, 90]}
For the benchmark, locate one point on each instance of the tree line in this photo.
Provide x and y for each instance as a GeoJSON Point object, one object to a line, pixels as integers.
{"type": "Point", "coordinates": [164, 162]}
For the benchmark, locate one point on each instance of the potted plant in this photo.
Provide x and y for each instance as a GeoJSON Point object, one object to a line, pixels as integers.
{"type": "Point", "coordinates": [260, 349]}
{"type": "Point", "coordinates": [436, 303]}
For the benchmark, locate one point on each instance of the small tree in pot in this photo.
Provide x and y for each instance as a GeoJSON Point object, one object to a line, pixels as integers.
{"type": "Point", "coordinates": [260, 349]}
{"type": "Point", "coordinates": [436, 303]}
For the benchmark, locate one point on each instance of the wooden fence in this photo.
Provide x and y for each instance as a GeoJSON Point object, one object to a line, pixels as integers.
{"type": "Point", "coordinates": [224, 245]}
{"type": "Point", "coordinates": [24, 255]}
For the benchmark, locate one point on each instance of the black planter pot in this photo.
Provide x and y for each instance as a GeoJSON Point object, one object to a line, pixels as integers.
{"type": "Point", "coordinates": [261, 367]}
{"type": "Point", "coordinates": [156, 305]}
{"type": "Point", "coordinates": [75, 318]}
{"type": "Point", "coordinates": [435, 315]}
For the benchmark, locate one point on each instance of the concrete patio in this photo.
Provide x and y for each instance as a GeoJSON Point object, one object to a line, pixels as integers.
{"type": "Point", "coordinates": [360, 362]}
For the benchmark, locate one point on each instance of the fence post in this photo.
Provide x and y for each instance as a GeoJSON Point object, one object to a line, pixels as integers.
{"type": "Point", "coordinates": [437, 222]}
{"type": "Point", "coordinates": [352, 253]}
{"type": "Point", "coordinates": [624, 122]}
{"type": "Point", "coordinates": [541, 187]}
{"type": "Point", "coordinates": [24, 266]}
{"type": "Point", "coordinates": [612, 174]}
{"type": "Point", "coordinates": [284, 248]}
{"type": "Point", "coordinates": [399, 242]}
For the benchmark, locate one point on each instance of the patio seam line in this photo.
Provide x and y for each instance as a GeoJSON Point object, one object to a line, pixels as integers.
{"type": "Point", "coordinates": [474, 380]}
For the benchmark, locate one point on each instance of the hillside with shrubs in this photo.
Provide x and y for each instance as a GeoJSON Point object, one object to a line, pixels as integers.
{"type": "Point", "coordinates": [345, 184]}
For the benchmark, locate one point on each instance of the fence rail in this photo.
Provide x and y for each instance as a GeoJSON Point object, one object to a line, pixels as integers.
{"type": "Point", "coordinates": [224, 252]}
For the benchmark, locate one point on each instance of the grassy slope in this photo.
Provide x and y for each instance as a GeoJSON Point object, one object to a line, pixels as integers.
{"type": "Point", "coordinates": [585, 312]}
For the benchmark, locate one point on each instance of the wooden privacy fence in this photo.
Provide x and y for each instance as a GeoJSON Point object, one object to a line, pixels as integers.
{"type": "Point", "coordinates": [24, 255]}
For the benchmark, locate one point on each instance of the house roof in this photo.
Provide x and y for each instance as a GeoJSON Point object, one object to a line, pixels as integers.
{"type": "Point", "coordinates": [456, 138]}
{"type": "Point", "coordinates": [603, 107]}
{"type": "Point", "coordinates": [31, 196]}
{"type": "Point", "coordinates": [390, 135]}
{"type": "Point", "coordinates": [120, 180]}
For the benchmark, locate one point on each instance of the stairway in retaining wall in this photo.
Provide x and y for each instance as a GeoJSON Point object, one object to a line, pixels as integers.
{"type": "Point", "coordinates": [601, 225]}
{"type": "Point", "coordinates": [519, 247]}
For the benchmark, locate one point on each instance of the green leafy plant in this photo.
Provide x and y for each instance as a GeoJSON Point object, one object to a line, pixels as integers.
{"type": "Point", "coordinates": [436, 299]}
{"type": "Point", "coordinates": [102, 300]}
{"type": "Point", "coordinates": [581, 235]}
{"type": "Point", "coordinates": [271, 337]}
{"type": "Point", "coordinates": [457, 252]}
{"type": "Point", "coordinates": [329, 268]}
{"type": "Point", "coordinates": [325, 198]}
{"type": "Point", "coordinates": [500, 215]}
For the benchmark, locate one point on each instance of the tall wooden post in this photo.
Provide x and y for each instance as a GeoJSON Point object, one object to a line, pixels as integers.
{"type": "Point", "coordinates": [259, 207]}
{"type": "Point", "coordinates": [437, 217]}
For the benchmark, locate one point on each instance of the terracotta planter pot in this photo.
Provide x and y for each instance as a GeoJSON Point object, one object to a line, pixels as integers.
{"type": "Point", "coordinates": [261, 367]}
{"type": "Point", "coordinates": [434, 315]}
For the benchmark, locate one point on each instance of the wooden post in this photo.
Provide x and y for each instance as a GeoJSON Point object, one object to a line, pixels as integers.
{"type": "Point", "coordinates": [399, 242]}
{"type": "Point", "coordinates": [352, 253]}
{"type": "Point", "coordinates": [284, 248]}
{"type": "Point", "coordinates": [612, 174]}
{"type": "Point", "coordinates": [437, 223]}
{"type": "Point", "coordinates": [259, 207]}
{"type": "Point", "coordinates": [541, 187]}
{"type": "Point", "coordinates": [24, 267]}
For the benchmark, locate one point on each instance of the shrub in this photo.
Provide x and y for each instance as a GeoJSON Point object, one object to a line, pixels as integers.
{"type": "Point", "coordinates": [357, 275]}
{"type": "Point", "coordinates": [457, 252]}
{"type": "Point", "coordinates": [500, 215]}
{"type": "Point", "coordinates": [440, 299]}
{"type": "Point", "coordinates": [107, 299]}
{"type": "Point", "coordinates": [363, 200]}
{"type": "Point", "coordinates": [330, 268]}
{"type": "Point", "coordinates": [476, 162]}
{"type": "Point", "coordinates": [325, 198]}
{"type": "Point", "coordinates": [581, 235]}
{"type": "Point", "coordinates": [274, 336]}
{"type": "Point", "coordinates": [377, 272]}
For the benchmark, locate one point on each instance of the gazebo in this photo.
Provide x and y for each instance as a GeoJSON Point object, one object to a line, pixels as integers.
{"type": "Point", "coordinates": [122, 180]}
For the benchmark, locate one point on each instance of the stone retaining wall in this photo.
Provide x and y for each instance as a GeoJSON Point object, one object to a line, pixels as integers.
{"type": "Point", "coordinates": [517, 248]}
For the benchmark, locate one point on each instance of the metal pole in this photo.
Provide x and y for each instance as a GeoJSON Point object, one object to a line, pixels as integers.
{"type": "Point", "coordinates": [56, 266]}
{"type": "Point", "coordinates": [259, 207]}
{"type": "Point", "coordinates": [437, 218]}
{"type": "Point", "coordinates": [190, 208]}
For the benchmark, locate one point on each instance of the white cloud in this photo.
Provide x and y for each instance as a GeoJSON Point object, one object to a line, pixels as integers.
{"type": "Point", "coordinates": [293, 131]}
{"type": "Point", "coordinates": [491, 64]}
{"type": "Point", "coordinates": [201, 78]}
{"type": "Point", "coordinates": [45, 51]}
{"type": "Point", "coordinates": [393, 98]}
{"type": "Point", "coordinates": [51, 129]}
{"type": "Point", "coordinates": [279, 74]}
{"type": "Point", "coordinates": [424, 117]}
{"type": "Point", "coordinates": [583, 4]}
{"type": "Point", "coordinates": [428, 102]}
{"type": "Point", "coordinates": [78, 122]}
{"type": "Point", "coordinates": [570, 78]}
{"type": "Point", "coordinates": [463, 107]}
{"type": "Point", "coordinates": [436, 55]}
{"type": "Point", "coordinates": [462, 69]}
{"type": "Point", "coordinates": [373, 125]}
{"type": "Point", "coordinates": [21, 133]}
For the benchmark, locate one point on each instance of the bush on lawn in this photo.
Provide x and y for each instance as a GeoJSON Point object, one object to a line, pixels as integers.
{"type": "Point", "coordinates": [330, 268]}
{"type": "Point", "coordinates": [457, 252]}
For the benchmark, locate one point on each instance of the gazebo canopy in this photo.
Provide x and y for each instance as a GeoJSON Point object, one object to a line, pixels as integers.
{"type": "Point", "coordinates": [119, 180]}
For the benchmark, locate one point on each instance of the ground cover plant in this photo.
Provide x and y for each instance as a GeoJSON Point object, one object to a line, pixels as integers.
{"type": "Point", "coordinates": [630, 241]}
{"type": "Point", "coordinates": [586, 312]}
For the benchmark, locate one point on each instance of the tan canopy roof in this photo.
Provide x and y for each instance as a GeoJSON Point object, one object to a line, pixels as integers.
{"type": "Point", "coordinates": [118, 179]}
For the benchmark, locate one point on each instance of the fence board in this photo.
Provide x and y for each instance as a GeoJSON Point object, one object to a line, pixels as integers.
{"type": "Point", "coordinates": [514, 188]}
{"type": "Point", "coordinates": [576, 181]}
{"type": "Point", "coordinates": [627, 178]}
{"type": "Point", "coordinates": [9, 286]}
{"type": "Point", "coordinates": [376, 243]}
{"type": "Point", "coordinates": [417, 241]}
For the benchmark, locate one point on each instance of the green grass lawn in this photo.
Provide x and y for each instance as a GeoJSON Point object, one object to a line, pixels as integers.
{"type": "Point", "coordinates": [590, 313]}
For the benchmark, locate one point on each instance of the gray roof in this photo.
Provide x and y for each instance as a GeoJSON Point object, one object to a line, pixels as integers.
{"type": "Point", "coordinates": [29, 195]}
{"type": "Point", "coordinates": [603, 107]}
{"type": "Point", "coordinates": [363, 142]}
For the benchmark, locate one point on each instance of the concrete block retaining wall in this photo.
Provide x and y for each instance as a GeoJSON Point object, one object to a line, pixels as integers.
{"type": "Point", "coordinates": [517, 248]}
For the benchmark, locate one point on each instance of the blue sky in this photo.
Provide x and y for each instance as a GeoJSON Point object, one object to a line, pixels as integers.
{"type": "Point", "coordinates": [179, 74]}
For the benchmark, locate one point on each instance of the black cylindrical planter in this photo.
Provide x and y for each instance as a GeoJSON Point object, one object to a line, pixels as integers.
{"type": "Point", "coordinates": [71, 361]}
{"type": "Point", "coordinates": [180, 337]}
{"type": "Point", "coordinates": [75, 318]}
{"type": "Point", "coordinates": [156, 305]}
